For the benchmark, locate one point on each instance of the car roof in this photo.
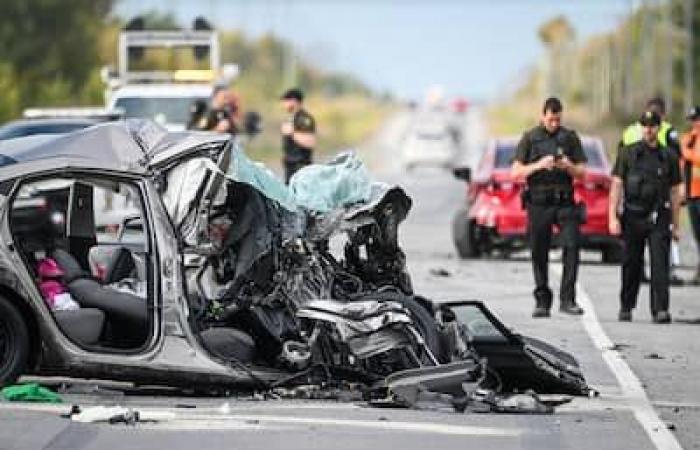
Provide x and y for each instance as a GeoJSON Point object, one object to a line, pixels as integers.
{"type": "Point", "coordinates": [52, 121]}
{"type": "Point", "coordinates": [132, 145]}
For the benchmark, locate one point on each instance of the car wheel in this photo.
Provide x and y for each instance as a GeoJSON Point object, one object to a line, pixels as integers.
{"type": "Point", "coordinates": [464, 235]}
{"type": "Point", "coordinates": [613, 253]}
{"type": "Point", "coordinates": [423, 321]}
{"type": "Point", "coordinates": [14, 343]}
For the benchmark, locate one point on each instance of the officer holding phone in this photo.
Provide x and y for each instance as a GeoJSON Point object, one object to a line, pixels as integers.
{"type": "Point", "coordinates": [550, 157]}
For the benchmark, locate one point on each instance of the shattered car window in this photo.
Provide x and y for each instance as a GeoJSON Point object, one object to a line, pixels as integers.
{"type": "Point", "coordinates": [478, 325]}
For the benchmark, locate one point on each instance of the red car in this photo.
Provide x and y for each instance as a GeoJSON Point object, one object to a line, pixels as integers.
{"type": "Point", "coordinates": [494, 218]}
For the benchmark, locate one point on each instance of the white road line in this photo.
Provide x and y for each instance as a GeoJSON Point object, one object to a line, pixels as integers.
{"type": "Point", "coordinates": [195, 420]}
{"type": "Point", "coordinates": [215, 421]}
{"type": "Point", "coordinates": [632, 388]}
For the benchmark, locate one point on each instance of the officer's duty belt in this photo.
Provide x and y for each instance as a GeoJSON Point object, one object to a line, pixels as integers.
{"type": "Point", "coordinates": [551, 195]}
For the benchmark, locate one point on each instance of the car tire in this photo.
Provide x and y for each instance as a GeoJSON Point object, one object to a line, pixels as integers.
{"type": "Point", "coordinates": [613, 254]}
{"type": "Point", "coordinates": [423, 319]}
{"type": "Point", "coordinates": [14, 343]}
{"type": "Point", "coordinates": [463, 235]}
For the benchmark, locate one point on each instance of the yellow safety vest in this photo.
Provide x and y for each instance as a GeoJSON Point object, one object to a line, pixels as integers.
{"type": "Point", "coordinates": [633, 133]}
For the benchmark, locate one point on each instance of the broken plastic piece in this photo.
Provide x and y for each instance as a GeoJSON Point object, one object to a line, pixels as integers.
{"type": "Point", "coordinates": [30, 392]}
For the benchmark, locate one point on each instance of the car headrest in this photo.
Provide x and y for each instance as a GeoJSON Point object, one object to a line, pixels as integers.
{"type": "Point", "coordinates": [71, 268]}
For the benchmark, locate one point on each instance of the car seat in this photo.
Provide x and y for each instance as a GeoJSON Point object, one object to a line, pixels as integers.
{"type": "Point", "coordinates": [127, 314]}
{"type": "Point", "coordinates": [83, 325]}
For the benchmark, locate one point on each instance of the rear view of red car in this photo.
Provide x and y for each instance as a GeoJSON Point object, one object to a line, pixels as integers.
{"type": "Point", "coordinates": [493, 218]}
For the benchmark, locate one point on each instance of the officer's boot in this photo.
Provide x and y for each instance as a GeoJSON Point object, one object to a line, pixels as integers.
{"type": "Point", "coordinates": [543, 302]}
{"type": "Point", "coordinates": [571, 308]}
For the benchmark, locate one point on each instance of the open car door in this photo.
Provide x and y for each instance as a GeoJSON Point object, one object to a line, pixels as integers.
{"type": "Point", "coordinates": [518, 362]}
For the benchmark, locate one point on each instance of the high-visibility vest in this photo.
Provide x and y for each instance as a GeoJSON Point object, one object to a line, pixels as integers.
{"type": "Point", "coordinates": [633, 133]}
{"type": "Point", "coordinates": [690, 148]}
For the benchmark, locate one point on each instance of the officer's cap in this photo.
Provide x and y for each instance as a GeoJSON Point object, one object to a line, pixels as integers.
{"type": "Point", "coordinates": [293, 94]}
{"type": "Point", "coordinates": [650, 118]}
{"type": "Point", "coordinates": [693, 113]}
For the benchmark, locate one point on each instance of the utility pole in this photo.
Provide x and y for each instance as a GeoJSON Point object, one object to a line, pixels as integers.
{"type": "Point", "coordinates": [689, 62]}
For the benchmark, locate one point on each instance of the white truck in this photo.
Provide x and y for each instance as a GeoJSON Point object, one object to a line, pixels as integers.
{"type": "Point", "coordinates": [165, 96]}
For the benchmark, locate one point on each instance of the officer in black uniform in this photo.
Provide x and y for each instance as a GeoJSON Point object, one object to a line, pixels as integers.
{"type": "Point", "coordinates": [650, 178]}
{"type": "Point", "coordinates": [549, 157]}
{"type": "Point", "coordinates": [298, 133]}
{"type": "Point", "coordinates": [222, 116]}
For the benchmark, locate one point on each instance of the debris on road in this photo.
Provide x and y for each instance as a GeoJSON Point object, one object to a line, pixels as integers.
{"type": "Point", "coordinates": [689, 320]}
{"type": "Point", "coordinates": [440, 272]}
{"type": "Point", "coordinates": [618, 346]}
{"type": "Point", "coordinates": [30, 392]}
{"type": "Point", "coordinates": [653, 356]}
{"type": "Point", "coordinates": [119, 414]}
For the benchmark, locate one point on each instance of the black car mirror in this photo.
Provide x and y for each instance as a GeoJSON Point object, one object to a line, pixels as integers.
{"type": "Point", "coordinates": [463, 173]}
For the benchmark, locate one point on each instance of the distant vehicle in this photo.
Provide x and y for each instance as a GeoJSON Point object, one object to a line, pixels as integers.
{"type": "Point", "coordinates": [459, 105]}
{"type": "Point", "coordinates": [164, 103]}
{"type": "Point", "coordinates": [29, 127]}
{"type": "Point", "coordinates": [165, 95]}
{"type": "Point", "coordinates": [493, 217]}
{"type": "Point", "coordinates": [431, 142]}
{"type": "Point", "coordinates": [56, 121]}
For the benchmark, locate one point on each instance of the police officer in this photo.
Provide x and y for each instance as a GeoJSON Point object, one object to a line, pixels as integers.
{"type": "Point", "coordinates": [298, 133]}
{"type": "Point", "coordinates": [668, 138]}
{"type": "Point", "coordinates": [650, 178]}
{"type": "Point", "coordinates": [224, 114]}
{"type": "Point", "coordinates": [550, 157]}
{"type": "Point", "coordinates": [690, 148]}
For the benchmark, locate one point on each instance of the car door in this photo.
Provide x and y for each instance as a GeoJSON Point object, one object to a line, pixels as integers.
{"type": "Point", "coordinates": [54, 218]}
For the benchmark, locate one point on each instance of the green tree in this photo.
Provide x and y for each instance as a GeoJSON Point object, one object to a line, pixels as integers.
{"type": "Point", "coordinates": [51, 46]}
{"type": "Point", "coordinates": [9, 100]}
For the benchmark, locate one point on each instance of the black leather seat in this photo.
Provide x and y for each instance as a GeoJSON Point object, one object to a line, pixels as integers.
{"type": "Point", "coordinates": [127, 315]}
{"type": "Point", "coordinates": [71, 268]}
{"type": "Point", "coordinates": [83, 325]}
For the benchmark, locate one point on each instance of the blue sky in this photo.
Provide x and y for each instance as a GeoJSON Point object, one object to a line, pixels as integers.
{"type": "Point", "coordinates": [473, 48]}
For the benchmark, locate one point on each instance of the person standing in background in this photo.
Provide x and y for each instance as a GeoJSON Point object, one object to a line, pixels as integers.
{"type": "Point", "coordinates": [690, 150]}
{"type": "Point", "coordinates": [298, 133]}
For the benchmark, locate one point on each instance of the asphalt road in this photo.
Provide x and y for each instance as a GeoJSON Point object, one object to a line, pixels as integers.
{"type": "Point", "coordinates": [646, 373]}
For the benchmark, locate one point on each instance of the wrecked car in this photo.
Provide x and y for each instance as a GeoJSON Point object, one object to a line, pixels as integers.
{"type": "Point", "coordinates": [130, 253]}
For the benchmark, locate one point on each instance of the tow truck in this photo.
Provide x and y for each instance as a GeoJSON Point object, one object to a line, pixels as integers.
{"type": "Point", "coordinates": [165, 94]}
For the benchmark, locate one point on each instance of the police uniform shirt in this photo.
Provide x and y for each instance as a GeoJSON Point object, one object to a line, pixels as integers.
{"type": "Point", "coordinates": [302, 122]}
{"type": "Point", "coordinates": [643, 157]}
{"type": "Point", "coordinates": [538, 143]}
